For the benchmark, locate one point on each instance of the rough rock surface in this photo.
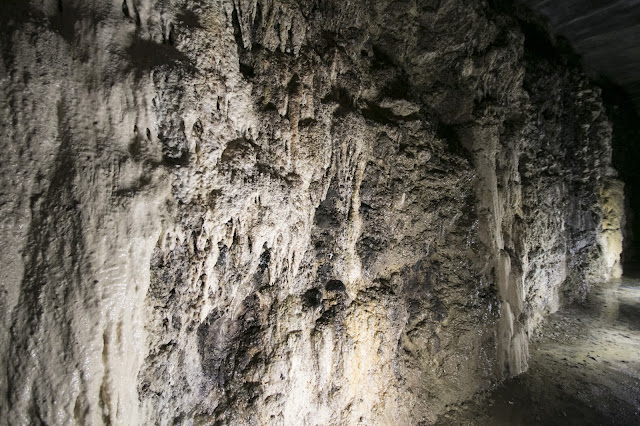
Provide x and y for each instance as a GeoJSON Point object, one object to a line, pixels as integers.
{"type": "Point", "coordinates": [293, 212]}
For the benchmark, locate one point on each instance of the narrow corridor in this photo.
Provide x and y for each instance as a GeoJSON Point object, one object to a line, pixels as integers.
{"type": "Point", "coordinates": [584, 368]}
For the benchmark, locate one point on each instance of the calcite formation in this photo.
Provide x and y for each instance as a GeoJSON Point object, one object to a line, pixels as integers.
{"type": "Point", "coordinates": [287, 212]}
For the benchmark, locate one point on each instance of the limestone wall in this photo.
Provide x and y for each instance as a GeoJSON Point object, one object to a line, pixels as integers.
{"type": "Point", "coordinates": [259, 212]}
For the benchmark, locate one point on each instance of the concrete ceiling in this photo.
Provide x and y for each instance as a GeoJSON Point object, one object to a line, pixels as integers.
{"type": "Point", "coordinates": [606, 33]}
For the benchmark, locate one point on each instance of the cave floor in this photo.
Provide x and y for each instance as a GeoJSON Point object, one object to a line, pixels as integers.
{"type": "Point", "coordinates": [584, 368]}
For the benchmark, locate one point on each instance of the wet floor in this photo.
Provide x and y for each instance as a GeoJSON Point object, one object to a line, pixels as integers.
{"type": "Point", "coordinates": [584, 368]}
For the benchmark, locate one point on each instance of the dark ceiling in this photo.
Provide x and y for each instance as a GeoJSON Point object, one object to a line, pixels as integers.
{"type": "Point", "coordinates": [605, 33]}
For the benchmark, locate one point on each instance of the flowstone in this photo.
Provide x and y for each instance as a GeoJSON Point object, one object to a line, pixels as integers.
{"type": "Point", "coordinates": [258, 212]}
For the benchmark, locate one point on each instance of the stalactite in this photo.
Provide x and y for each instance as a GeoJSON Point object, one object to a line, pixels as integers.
{"type": "Point", "coordinates": [258, 212]}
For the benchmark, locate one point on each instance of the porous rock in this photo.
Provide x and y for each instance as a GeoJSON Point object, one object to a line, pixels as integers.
{"type": "Point", "coordinates": [294, 212]}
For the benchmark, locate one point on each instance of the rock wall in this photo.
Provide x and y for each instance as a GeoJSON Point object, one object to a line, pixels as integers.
{"type": "Point", "coordinates": [292, 212]}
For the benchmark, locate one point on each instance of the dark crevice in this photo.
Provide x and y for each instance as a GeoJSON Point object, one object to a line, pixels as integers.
{"type": "Point", "coordinates": [626, 157]}
{"type": "Point", "coordinates": [145, 55]}
{"type": "Point", "coordinates": [335, 285]}
{"type": "Point", "coordinates": [189, 19]}
{"type": "Point", "coordinates": [125, 9]}
{"type": "Point", "coordinates": [312, 298]}
{"type": "Point", "coordinates": [343, 98]}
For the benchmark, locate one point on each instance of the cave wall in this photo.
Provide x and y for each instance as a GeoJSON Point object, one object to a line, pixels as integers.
{"type": "Point", "coordinates": [292, 212]}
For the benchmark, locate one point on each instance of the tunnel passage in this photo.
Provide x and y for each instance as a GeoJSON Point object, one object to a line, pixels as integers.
{"type": "Point", "coordinates": [257, 212]}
